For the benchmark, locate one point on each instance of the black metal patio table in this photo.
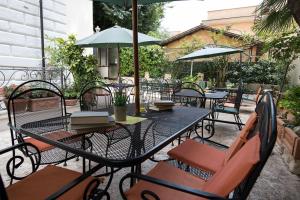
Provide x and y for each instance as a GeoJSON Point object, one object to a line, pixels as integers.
{"type": "Point", "coordinates": [129, 145]}
{"type": "Point", "coordinates": [211, 96]}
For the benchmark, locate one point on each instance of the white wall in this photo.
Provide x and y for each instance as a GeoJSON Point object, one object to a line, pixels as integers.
{"type": "Point", "coordinates": [295, 73]}
{"type": "Point", "coordinates": [20, 43]}
{"type": "Point", "coordinates": [20, 30]}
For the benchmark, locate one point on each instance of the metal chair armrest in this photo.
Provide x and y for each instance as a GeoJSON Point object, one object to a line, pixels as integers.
{"type": "Point", "coordinates": [17, 146]}
{"type": "Point", "coordinates": [18, 160]}
{"type": "Point", "coordinates": [167, 184]}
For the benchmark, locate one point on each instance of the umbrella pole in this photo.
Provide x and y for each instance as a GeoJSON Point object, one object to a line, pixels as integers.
{"type": "Point", "coordinates": [192, 64]}
{"type": "Point", "coordinates": [119, 75]}
{"type": "Point", "coordinates": [135, 57]}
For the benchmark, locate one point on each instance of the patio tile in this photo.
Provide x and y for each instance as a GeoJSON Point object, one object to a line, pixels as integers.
{"type": "Point", "coordinates": [275, 181]}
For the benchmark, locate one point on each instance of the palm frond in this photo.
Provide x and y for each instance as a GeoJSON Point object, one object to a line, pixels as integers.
{"type": "Point", "coordinates": [275, 16]}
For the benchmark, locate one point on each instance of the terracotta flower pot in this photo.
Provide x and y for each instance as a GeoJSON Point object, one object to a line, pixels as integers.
{"type": "Point", "coordinates": [20, 105]}
{"type": "Point", "coordinates": [71, 102]}
{"type": "Point", "coordinates": [44, 103]}
{"type": "Point", "coordinates": [120, 113]}
{"type": "Point", "coordinates": [289, 142]}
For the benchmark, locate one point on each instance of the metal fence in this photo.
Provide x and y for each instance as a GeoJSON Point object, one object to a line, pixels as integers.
{"type": "Point", "coordinates": [18, 75]}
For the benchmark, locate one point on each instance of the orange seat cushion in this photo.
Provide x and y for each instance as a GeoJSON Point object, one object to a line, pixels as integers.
{"type": "Point", "coordinates": [41, 184]}
{"type": "Point", "coordinates": [166, 172]}
{"type": "Point", "coordinates": [235, 170]}
{"type": "Point", "coordinates": [198, 155]}
{"type": "Point", "coordinates": [206, 157]}
{"type": "Point", "coordinates": [57, 135]}
{"type": "Point", "coordinates": [40, 145]}
{"type": "Point", "coordinates": [222, 183]}
{"type": "Point", "coordinates": [242, 137]}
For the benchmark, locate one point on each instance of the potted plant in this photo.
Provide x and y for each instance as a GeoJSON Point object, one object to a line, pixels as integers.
{"type": "Point", "coordinates": [71, 96]}
{"type": "Point", "coordinates": [119, 102]}
{"type": "Point", "coordinates": [20, 104]}
{"type": "Point", "coordinates": [43, 100]}
{"type": "Point", "coordinates": [288, 124]}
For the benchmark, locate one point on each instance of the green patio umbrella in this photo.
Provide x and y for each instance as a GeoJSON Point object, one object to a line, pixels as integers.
{"type": "Point", "coordinates": [133, 4]}
{"type": "Point", "coordinates": [115, 37]}
{"type": "Point", "coordinates": [208, 52]}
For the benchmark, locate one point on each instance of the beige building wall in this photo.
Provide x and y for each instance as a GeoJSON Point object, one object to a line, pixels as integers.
{"type": "Point", "coordinates": [238, 20]}
{"type": "Point", "coordinates": [174, 49]}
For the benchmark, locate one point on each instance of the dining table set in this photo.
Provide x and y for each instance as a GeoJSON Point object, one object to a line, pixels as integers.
{"type": "Point", "coordinates": [126, 143]}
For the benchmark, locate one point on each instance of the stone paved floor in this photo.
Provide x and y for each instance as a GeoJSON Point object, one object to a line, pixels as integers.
{"type": "Point", "coordinates": [275, 181]}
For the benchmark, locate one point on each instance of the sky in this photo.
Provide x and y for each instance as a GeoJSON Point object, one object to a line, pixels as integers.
{"type": "Point", "coordinates": [183, 15]}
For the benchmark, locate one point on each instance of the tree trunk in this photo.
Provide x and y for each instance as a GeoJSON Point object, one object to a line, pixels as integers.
{"type": "Point", "coordinates": [294, 6]}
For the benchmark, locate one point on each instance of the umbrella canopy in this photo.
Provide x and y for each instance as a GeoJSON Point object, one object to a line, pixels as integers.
{"type": "Point", "coordinates": [128, 3]}
{"type": "Point", "coordinates": [133, 4]}
{"type": "Point", "coordinates": [210, 52]}
{"type": "Point", "coordinates": [115, 37]}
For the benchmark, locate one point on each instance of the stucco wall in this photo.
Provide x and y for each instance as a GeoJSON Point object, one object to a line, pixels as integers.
{"type": "Point", "coordinates": [205, 37]}
{"type": "Point", "coordinates": [238, 28]}
{"type": "Point", "coordinates": [232, 12]}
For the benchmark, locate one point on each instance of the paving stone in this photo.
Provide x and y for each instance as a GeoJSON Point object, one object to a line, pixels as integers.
{"type": "Point", "coordinates": [275, 181]}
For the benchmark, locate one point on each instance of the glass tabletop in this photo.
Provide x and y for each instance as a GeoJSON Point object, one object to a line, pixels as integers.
{"type": "Point", "coordinates": [119, 145]}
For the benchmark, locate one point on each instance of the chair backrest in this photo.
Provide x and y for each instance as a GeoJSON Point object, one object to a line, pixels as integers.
{"type": "Point", "coordinates": [31, 101]}
{"type": "Point", "coordinates": [192, 85]}
{"type": "Point", "coordinates": [267, 127]}
{"type": "Point", "coordinates": [238, 99]}
{"type": "Point", "coordinates": [95, 96]}
{"type": "Point", "coordinates": [165, 90]}
{"type": "Point", "coordinates": [259, 90]}
{"type": "Point", "coordinates": [189, 96]}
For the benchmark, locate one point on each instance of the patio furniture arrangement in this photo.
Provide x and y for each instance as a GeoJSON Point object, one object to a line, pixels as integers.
{"type": "Point", "coordinates": [49, 154]}
{"type": "Point", "coordinates": [50, 182]}
{"type": "Point", "coordinates": [122, 145]}
{"type": "Point", "coordinates": [234, 109]}
{"type": "Point", "coordinates": [237, 174]}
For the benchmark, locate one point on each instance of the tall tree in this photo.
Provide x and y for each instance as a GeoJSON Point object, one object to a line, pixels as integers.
{"type": "Point", "coordinates": [277, 15]}
{"type": "Point", "coordinates": [149, 16]}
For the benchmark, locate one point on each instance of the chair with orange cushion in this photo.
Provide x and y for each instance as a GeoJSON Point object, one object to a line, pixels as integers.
{"type": "Point", "coordinates": [207, 157]}
{"type": "Point", "coordinates": [51, 182]}
{"type": "Point", "coordinates": [41, 100]}
{"type": "Point", "coordinates": [238, 175]}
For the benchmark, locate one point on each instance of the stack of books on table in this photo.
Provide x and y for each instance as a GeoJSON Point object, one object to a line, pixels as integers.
{"type": "Point", "coordinates": [163, 105]}
{"type": "Point", "coordinates": [91, 120]}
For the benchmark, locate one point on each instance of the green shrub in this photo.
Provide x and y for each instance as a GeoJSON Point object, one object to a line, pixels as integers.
{"type": "Point", "coordinates": [291, 102]}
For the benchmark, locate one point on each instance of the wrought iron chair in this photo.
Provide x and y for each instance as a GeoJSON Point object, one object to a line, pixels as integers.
{"type": "Point", "coordinates": [51, 182]}
{"type": "Point", "coordinates": [189, 94]}
{"type": "Point", "coordinates": [213, 158]}
{"type": "Point", "coordinates": [220, 107]}
{"type": "Point", "coordinates": [238, 175]}
{"type": "Point", "coordinates": [37, 100]}
{"type": "Point", "coordinates": [95, 96]}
